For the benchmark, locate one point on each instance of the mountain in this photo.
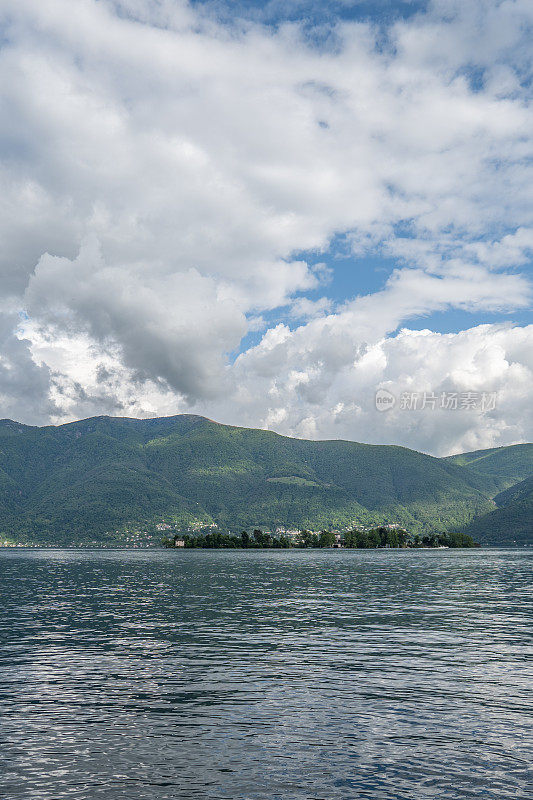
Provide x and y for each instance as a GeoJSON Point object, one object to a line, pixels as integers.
{"type": "Point", "coordinates": [520, 491]}
{"type": "Point", "coordinates": [511, 469]}
{"type": "Point", "coordinates": [503, 466]}
{"type": "Point", "coordinates": [512, 520]}
{"type": "Point", "coordinates": [96, 479]}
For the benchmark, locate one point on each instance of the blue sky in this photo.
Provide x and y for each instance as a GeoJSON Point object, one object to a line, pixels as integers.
{"type": "Point", "coordinates": [352, 276]}
{"type": "Point", "coordinates": [355, 274]}
{"type": "Point", "coordinates": [313, 11]}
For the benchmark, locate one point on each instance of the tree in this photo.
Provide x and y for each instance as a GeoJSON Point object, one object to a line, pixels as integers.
{"type": "Point", "coordinates": [262, 539]}
{"type": "Point", "coordinates": [309, 539]}
{"type": "Point", "coordinates": [326, 539]}
{"type": "Point", "coordinates": [374, 539]}
{"type": "Point", "coordinates": [392, 539]}
{"type": "Point", "coordinates": [349, 539]}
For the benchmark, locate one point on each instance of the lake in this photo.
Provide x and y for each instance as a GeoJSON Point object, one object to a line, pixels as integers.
{"type": "Point", "coordinates": [290, 675]}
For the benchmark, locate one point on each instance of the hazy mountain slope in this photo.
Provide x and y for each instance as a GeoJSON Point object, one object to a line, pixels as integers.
{"type": "Point", "coordinates": [511, 470]}
{"type": "Point", "coordinates": [504, 466]}
{"type": "Point", "coordinates": [512, 521]}
{"type": "Point", "coordinates": [89, 478]}
{"type": "Point", "coordinates": [519, 491]}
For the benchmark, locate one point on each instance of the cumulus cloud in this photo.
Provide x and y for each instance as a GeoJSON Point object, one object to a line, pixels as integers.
{"type": "Point", "coordinates": [24, 384]}
{"type": "Point", "coordinates": [163, 176]}
{"type": "Point", "coordinates": [461, 391]}
{"type": "Point", "coordinates": [165, 324]}
{"type": "Point", "coordinates": [304, 308]}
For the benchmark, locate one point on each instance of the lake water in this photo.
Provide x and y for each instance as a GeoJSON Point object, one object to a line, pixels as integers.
{"type": "Point", "coordinates": [147, 675]}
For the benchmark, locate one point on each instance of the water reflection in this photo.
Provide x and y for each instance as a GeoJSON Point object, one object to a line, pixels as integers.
{"type": "Point", "coordinates": [153, 675]}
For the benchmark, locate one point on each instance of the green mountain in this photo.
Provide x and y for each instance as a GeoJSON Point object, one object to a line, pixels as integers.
{"type": "Point", "coordinates": [512, 520]}
{"type": "Point", "coordinates": [503, 466]}
{"type": "Point", "coordinates": [96, 479]}
{"type": "Point", "coordinates": [520, 491]}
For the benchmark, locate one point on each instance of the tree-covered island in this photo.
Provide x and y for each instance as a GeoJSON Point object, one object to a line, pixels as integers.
{"type": "Point", "coordinates": [381, 537]}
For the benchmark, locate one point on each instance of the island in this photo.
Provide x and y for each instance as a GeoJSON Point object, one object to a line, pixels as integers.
{"type": "Point", "coordinates": [373, 538]}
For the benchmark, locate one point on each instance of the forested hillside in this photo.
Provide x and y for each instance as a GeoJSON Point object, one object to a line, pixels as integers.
{"type": "Point", "coordinates": [512, 520]}
{"type": "Point", "coordinates": [503, 466]}
{"type": "Point", "coordinates": [88, 480]}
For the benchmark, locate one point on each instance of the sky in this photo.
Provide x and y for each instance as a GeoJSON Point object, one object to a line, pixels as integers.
{"type": "Point", "coordinates": [274, 214]}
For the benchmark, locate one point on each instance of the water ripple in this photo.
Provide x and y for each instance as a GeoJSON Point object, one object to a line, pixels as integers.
{"type": "Point", "coordinates": [155, 675]}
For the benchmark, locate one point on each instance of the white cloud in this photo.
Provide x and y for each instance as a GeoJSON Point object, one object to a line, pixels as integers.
{"type": "Point", "coordinates": [162, 174]}
{"type": "Point", "coordinates": [164, 324]}
{"type": "Point", "coordinates": [304, 308]}
{"type": "Point", "coordinates": [303, 388]}
{"type": "Point", "coordinates": [24, 384]}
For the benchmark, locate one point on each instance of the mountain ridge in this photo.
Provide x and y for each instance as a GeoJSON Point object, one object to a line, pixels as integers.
{"type": "Point", "coordinates": [99, 477]}
{"type": "Point", "coordinates": [514, 513]}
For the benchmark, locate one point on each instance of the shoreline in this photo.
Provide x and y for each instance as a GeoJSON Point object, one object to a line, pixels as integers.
{"type": "Point", "coordinates": [76, 548]}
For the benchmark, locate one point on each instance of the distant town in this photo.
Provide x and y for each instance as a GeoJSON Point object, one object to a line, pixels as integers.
{"type": "Point", "coordinates": [200, 534]}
